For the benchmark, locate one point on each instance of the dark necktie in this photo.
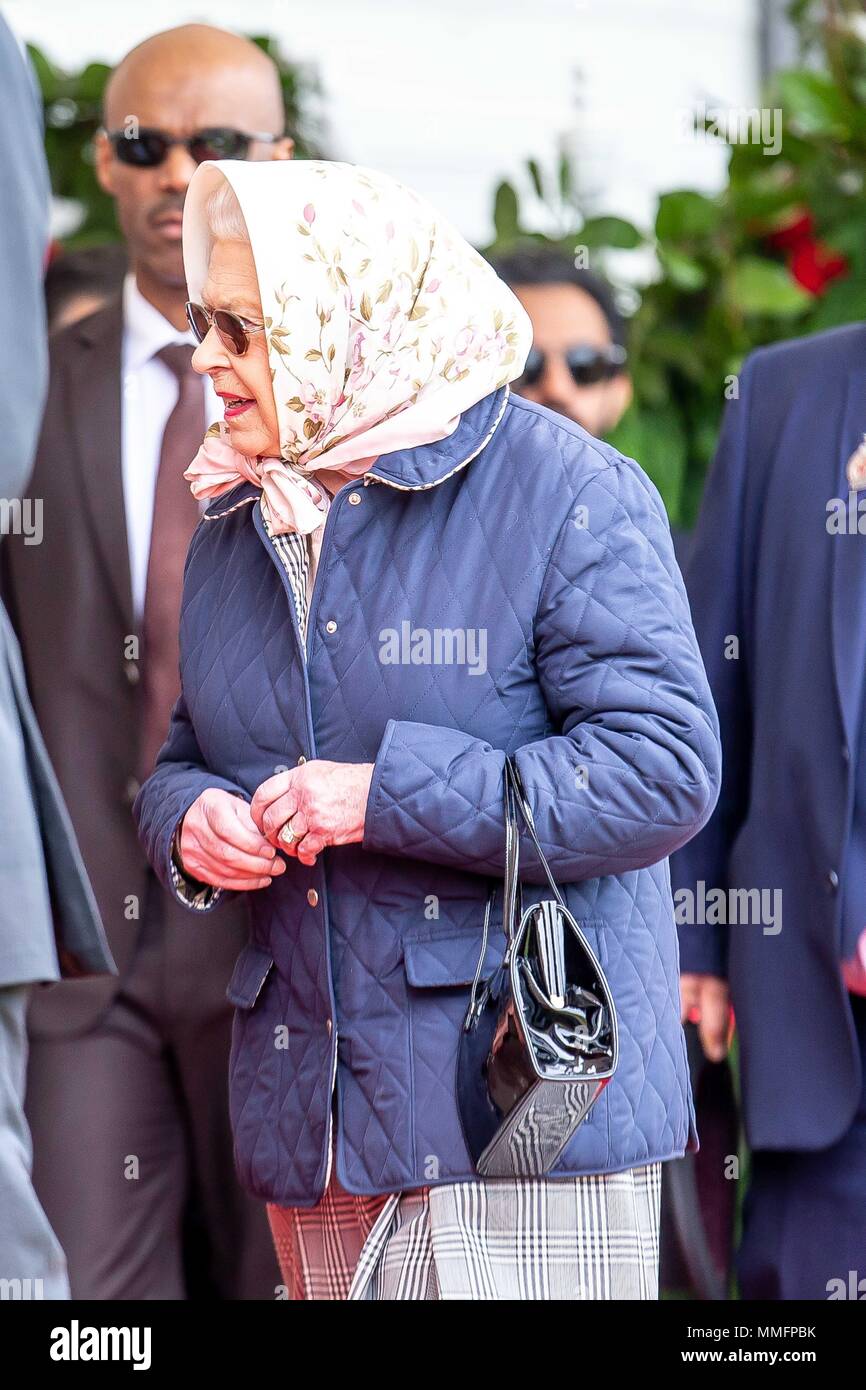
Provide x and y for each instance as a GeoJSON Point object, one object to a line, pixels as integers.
{"type": "Point", "coordinates": [175, 516]}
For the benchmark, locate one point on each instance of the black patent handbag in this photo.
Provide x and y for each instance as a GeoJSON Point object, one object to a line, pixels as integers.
{"type": "Point", "coordinates": [539, 1039]}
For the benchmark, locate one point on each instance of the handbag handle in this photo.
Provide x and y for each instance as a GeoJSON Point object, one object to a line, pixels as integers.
{"type": "Point", "coordinates": [514, 800]}
{"type": "Point", "coordinates": [519, 800]}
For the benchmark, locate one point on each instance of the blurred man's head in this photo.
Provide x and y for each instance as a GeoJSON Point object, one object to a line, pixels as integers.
{"type": "Point", "coordinates": [577, 363]}
{"type": "Point", "coordinates": [194, 81]}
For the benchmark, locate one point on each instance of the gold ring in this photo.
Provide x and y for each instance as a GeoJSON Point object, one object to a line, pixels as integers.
{"type": "Point", "coordinates": [287, 835]}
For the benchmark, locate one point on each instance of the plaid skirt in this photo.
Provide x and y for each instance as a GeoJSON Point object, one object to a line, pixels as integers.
{"type": "Point", "coordinates": [594, 1237]}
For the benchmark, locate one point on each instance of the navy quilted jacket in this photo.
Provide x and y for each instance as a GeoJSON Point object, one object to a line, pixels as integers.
{"type": "Point", "coordinates": [554, 551]}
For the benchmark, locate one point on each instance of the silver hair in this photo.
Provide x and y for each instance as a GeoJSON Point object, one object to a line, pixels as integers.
{"type": "Point", "coordinates": [222, 211]}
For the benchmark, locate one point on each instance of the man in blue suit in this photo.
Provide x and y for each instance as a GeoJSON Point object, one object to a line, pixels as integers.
{"type": "Point", "coordinates": [49, 922]}
{"type": "Point", "coordinates": [771, 896]}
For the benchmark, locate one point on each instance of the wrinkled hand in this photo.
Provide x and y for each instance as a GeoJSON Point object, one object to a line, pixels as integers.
{"type": "Point", "coordinates": [220, 844]}
{"type": "Point", "coordinates": [326, 803]}
{"type": "Point", "coordinates": [706, 1000]}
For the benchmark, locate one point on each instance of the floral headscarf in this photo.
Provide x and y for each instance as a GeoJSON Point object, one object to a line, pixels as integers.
{"type": "Point", "coordinates": [383, 324]}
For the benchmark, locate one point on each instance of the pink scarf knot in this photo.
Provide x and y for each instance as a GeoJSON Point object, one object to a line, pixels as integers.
{"type": "Point", "coordinates": [294, 503]}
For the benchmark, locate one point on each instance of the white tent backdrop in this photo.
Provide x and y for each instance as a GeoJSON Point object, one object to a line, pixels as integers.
{"type": "Point", "coordinates": [452, 96]}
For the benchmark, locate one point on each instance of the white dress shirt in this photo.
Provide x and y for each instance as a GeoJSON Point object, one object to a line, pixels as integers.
{"type": "Point", "coordinates": [149, 394]}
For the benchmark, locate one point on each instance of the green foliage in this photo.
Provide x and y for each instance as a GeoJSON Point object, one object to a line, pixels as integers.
{"type": "Point", "coordinates": [72, 104]}
{"type": "Point", "coordinates": [741, 269]}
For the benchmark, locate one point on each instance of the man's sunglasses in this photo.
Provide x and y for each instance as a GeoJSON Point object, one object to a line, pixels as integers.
{"type": "Point", "coordinates": [149, 147]}
{"type": "Point", "coordinates": [588, 365]}
{"type": "Point", "coordinates": [233, 331]}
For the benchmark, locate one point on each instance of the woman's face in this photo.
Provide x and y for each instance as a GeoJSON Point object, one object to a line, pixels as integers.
{"type": "Point", "coordinates": [243, 382]}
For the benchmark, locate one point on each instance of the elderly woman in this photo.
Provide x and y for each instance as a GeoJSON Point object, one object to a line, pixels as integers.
{"type": "Point", "coordinates": [405, 574]}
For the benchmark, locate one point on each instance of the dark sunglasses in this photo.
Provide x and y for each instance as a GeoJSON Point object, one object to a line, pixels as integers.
{"type": "Point", "coordinates": [233, 331]}
{"type": "Point", "coordinates": [149, 147]}
{"type": "Point", "coordinates": [588, 365]}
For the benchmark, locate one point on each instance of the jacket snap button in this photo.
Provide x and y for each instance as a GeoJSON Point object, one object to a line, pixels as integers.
{"type": "Point", "coordinates": [832, 880]}
{"type": "Point", "coordinates": [301, 760]}
{"type": "Point", "coordinates": [312, 897]}
{"type": "Point", "coordinates": [330, 1027]}
{"type": "Point", "coordinates": [133, 787]}
{"type": "Point", "coordinates": [330, 625]}
{"type": "Point", "coordinates": [132, 672]}
{"type": "Point", "coordinates": [354, 498]}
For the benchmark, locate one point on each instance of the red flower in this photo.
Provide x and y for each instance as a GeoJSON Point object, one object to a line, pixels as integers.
{"type": "Point", "coordinates": [814, 265]}
{"type": "Point", "coordinates": [799, 229]}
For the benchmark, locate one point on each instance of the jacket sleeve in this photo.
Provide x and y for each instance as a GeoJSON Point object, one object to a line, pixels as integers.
{"type": "Point", "coordinates": [632, 769]}
{"type": "Point", "coordinates": [714, 578]}
{"type": "Point", "coordinates": [24, 240]}
{"type": "Point", "coordinates": [179, 778]}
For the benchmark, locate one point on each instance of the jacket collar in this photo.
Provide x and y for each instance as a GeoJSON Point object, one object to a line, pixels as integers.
{"type": "Point", "coordinates": [429, 464]}
{"type": "Point", "coordinates": [410, 469]}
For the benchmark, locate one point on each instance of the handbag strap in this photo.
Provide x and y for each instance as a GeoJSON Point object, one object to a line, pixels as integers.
{"type": "Point", "coordinates": [511, 880]}
{"type": "Point", "coordinates": [514, 801]}
{"type": "Point", "coordinates": [510, 891]}
{"type": "Point", "coordinates": [512, 779]}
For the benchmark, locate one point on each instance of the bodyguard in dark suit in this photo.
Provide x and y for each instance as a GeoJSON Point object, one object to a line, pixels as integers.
{"type": "Point", "coordinates": [49, 924]}
{"type": "Point", "coordinates": [127, 1085]}
{"type": "Point", "coordinates": [777, 581]}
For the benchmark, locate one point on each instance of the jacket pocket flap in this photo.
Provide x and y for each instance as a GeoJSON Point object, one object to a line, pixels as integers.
{"type": "Point", "coordinates": [443, 961]}
{"type": "Point", "coordinates": [249, 975]}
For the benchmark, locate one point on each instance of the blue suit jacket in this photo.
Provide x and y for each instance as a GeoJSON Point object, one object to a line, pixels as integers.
{"type": "Point", "coordinates": [49, 922]}
{"type": "Point", "coordinates": [765, 569]}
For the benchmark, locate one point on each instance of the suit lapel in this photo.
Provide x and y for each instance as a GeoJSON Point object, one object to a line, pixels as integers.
{"type": "Point", "coordinates": [95, 377]}
{"type": "Point", "coordinates": [849, 571]}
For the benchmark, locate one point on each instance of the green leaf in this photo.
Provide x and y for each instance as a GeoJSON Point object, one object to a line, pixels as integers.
{"type": "Point", "coordinates": [566, 181]}
{"type": "Point", "coordinates": [764, 194]}
{"type": "Point", "coordinates": [46, 74]}
{"type": "Point", "coordinates": [814, 104]}
{"type": "Point", "coordinates": [91, 82]}
{"type": "Point", "coordinates": [683, 271]}
{"type": "Point", "coordinates": [678, 349]}
{"type": "Point", "coordinates": [685, 214]}
{"type": "Point", "coordinates": [847, 237]}
{"type": "Point", "coordinates": [614, 232]}
{"type": "Point", "coordinates": [842, 302]}
{"type": "Point", "coordinates": [535, 174]}
{"type": "Point", "coordinates": [756, 286]}
{"type": "Point", "coordinates": [506, 213]}
{"type": "Point", "coordinates": [651, 382]}
{"type": "Point", "coordinates": [656, 439]}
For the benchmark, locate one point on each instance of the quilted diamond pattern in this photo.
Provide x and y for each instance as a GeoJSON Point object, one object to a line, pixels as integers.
{"type": "Point", "coordinates": [558, 551]}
